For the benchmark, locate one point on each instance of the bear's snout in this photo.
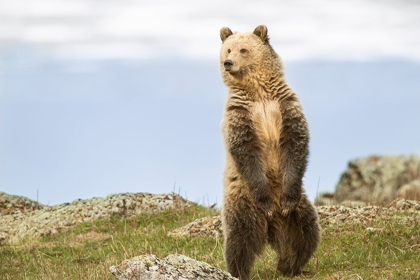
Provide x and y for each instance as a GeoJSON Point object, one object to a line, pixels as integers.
{"type": "Point", "coordinates": [228, 64]}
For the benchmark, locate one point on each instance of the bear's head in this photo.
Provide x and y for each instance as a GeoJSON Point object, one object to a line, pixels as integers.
{"type": "Point", "coordinates": [246, 53]}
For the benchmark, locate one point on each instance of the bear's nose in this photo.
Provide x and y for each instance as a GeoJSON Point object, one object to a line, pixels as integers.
{"type": "Point", "coordinates": [228, 64]}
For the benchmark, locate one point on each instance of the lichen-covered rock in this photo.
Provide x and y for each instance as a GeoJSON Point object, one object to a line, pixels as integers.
{"type": "Point", "coordinates": [410, 190]}
{"type": "Point", "coordinates": [173, 267]}
{"type": "Point", "coordinates": [53, 219]}
{"type": "Point", "coordinates": [340, 214]}
{"type": "Point", "coordinates": [12, 203]}
{"type": "Point", "coordinates": [404, 204]}
{"type": "Point", "coordinates": [377, 179]}
{"type": "Point", "coordinates": [204, 227]}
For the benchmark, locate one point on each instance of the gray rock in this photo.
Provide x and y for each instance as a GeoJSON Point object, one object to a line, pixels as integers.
{"type": "Point", "coordinates": [173, 267]}
{"type": "Point", "coordinates": [206, 227]}
{"type": "Point", "coordinates": [403, 204]}
{"type": "Point", "coordinates": [410, 190]}
{"type": "Point", "coordinates": [377, 180]}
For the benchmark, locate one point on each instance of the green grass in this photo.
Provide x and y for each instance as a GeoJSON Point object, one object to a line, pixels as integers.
{"type": "Point", "coordinates": [346, 252]}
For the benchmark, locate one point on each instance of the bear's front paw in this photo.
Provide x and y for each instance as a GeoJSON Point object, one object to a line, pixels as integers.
{"type": "Point", "coordinates": [264, 203]}
{"type": "Point", "coordinates": [288, 204]}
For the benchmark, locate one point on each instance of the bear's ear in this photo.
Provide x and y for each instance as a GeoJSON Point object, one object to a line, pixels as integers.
{"type": "Point", "coordinates": [262, 32]}
{"type": "Point", "coordinates": [224, 33]}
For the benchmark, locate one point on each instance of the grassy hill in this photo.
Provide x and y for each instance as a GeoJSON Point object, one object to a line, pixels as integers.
{"type": "Point", "coordinates": [382, 247]}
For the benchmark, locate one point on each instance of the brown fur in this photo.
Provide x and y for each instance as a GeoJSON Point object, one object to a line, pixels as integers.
{"type": "Point", "coordinates": [266, 139]}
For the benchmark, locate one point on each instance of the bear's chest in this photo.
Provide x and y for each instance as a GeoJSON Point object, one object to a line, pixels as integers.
{"type": "Point", "coordinates": [266, 119]}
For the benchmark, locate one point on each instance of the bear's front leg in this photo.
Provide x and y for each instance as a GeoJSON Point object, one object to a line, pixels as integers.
{"type": "Point", "coordinates": [244, 147]}
{"type": "Point", "coordinates": [294, 150]}
{"type": "Point", "coordinates": [263, 198]}
{"type": "Point", "coordinates": [289, 199]}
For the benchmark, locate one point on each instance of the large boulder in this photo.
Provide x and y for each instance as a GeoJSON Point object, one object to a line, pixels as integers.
{"type": "Point", "coordinates": [377, 180]}
{"type": "Point", "coordinates": [173, 267]}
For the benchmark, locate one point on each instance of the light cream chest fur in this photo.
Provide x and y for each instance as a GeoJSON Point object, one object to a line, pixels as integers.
{"type": "Point", "coordinates": [266, 119]}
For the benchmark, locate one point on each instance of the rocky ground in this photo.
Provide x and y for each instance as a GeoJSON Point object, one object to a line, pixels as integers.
{"type": "Point", "coordinates": [181, 267]}
{"type": "Point", "coordinates": [328, 214]}
{"type": "Point", "coordinates": [21, 217]}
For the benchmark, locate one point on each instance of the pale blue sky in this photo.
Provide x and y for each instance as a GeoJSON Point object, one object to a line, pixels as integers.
{"type": "Point", "coordinates": [107, 102]}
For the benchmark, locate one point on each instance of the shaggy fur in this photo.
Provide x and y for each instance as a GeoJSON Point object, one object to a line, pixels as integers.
{"type": "Point", "coordinates": [266, 139]}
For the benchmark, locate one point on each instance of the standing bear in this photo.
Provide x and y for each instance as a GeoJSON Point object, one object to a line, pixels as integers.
{"type": "Point", "coordinates": [266, 139]}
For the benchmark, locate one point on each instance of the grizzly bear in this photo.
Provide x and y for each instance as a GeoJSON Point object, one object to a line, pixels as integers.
{"type": "Point", "coordinates": [266, 139]}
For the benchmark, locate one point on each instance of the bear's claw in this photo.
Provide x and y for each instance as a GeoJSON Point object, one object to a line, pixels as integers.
{"type": "Point", "coordinates": [288, 204]}
{"type": "Point", "coordinates": [266, 209]}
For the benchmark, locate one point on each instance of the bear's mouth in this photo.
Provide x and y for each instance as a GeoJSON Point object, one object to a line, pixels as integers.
{"type": "Point", "coordinates": [228, 68]}
{"type": "Point", "coordinates": [232, 69]}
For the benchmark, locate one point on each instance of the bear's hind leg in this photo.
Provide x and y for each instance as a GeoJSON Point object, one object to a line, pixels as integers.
{"type": "Point", "coordinates": [244, 229]}
{"type": "Point", "coordinates": [295, 237]}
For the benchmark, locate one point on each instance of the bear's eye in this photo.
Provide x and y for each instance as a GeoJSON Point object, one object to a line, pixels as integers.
{"type": "Point", "coordinates": [243, 50]}
{"type": "Point", "coordinates": [229, 50]}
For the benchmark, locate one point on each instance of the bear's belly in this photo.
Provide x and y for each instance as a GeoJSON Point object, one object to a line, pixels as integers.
{"type": "Point", "coordinates": [267, 121]}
